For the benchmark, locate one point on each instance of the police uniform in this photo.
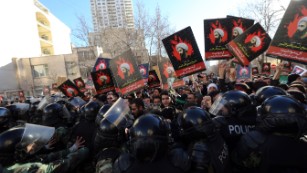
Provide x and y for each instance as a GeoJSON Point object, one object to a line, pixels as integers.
{"type": "Point", "coordinates": [275, 146]}
{"type": "Point", "coordinates": [66, 164]}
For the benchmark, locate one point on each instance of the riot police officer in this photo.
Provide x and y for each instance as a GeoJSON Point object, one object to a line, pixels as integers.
{"type": "Point", "coordinates": [109, 141]}
{"type": "Point", "coordinates": [235, 115]}
{"type": "Point", "coordinates": [56, 115]}
{"type": "Point", "coordinates": [205, 146]}
{"type": "Point", "coordinates": [87, 130]}
{"type": "Point", "coordinates": [110, 137]}
{"type": "Point", "coordinates": [149, 146]}
{"type": "Point", "coordinates": [19, 147]}
{"type": "Point", "coordinates": [275, 145]}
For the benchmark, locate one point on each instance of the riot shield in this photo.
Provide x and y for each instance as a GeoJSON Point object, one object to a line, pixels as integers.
{"type": "Point", "coordinates": [77, 102]}
{"type": "Point", "coordinates": [35, 137]}
{"type": "Point", "coordinates": [117, 113]}
{"type": "Point", "coordinates": [47, 100]}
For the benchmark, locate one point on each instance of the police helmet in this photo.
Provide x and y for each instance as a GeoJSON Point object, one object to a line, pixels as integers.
{"type": "Point", "coordinates": [101, 112]}
{"type": "Point", "coordinates": [231, 104]}
{"type": "Point", "coordinates": [282, 114]}
{"type": "Point", "coordinates": [168, 113]}
{"type": "Point", "coordinates": [266, 92]}
{"type": "Point", "coordinates": [53, 113]}
{"type": "Point", "coordinates": [8, 140]}
{"type": "Point", "coordinates": [91, 110]}
{"type": "Point", "coordinates": [149, 137]}
{"type": "Point", "coordinates": [194, 123]}
{"type": "Point", "coordinates": [5, 115]}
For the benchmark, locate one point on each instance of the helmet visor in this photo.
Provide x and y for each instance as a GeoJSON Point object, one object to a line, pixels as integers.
{"type": "Point", "coordinates": [47, 100]}
{"type": "Point", "coordinates": [35, 137]}
{"type": "Point", "coordinates": [77, 102]}
{"type": "Point", "coordinates": [219, 107]}
{"type": "Point", "coordinates": [117, 113]}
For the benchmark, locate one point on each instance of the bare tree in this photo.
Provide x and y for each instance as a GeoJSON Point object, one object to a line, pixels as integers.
{"type": "Point", "coordinates": [81, 32]}
{"type": "Point", "coordinates": [156, 29]}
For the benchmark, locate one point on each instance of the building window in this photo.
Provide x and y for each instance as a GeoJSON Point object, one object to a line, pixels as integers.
{"type": "Point", "coordinates": [40, 70]}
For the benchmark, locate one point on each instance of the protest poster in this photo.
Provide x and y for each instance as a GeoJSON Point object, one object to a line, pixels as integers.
{"type": "Point", "coordinates": [168, 75]}
{"type": "Point", "coordinates": [217, 34]}
{"type": "Point", "coordinates": [255, 71]}
{"type": "Point", "coordinates": [298, 70]}
{"type": "Point", "coordinates": [290, 40]}
{"type": "Point", "coordinates": [69, 89]}
{"type": "Point", "coordinates": [153, 79]}
{"type": "Point", "coordinates": [183, 53]}
{"type": "Point", "coordinates": [144, 71]}
{"type": "Point", "coordinates": [266, 68]}
{"type": "Point", "coordinates": [126, 72]}
{"type": "Point", "coordinates": [243, 72]}
{"type": "Point", "coordinates": [101, 64]}
{"type": "Point", "coordinates": [239, 25]}
{"type": "Point", "coordinates": [250, 44]}
{"type": "Point", "coordinates": [80, 84]}
{"type": "Point", "coordinates": [103, 81]}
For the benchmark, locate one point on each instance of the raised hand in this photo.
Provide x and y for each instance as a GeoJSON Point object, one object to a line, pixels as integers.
{"type": "Point", "coordinates": [79, 142]}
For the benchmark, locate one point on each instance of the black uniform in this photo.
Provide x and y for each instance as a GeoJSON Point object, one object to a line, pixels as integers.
{"type": "Point", "coordinates": [149, 148]}
{"type": "Point", "coordinates": [235, 116]}
{"type": "Point", "coordinates": [275, 145]}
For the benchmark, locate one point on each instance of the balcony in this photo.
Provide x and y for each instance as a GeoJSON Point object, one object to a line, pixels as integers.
{"type": "Point", "coordinates": [42, 24]}
{"type": "Point", "coordinates": [46, 51]}
{"type": "Point", "coordinates": [41, 6]}
{"type": "Point", "coordinates": [45, 43]}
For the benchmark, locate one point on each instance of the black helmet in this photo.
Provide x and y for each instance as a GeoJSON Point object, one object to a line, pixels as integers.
{"type": "Point", "coordinates": [62, 102]}
{"type": "Point", "coordinates": [301, 97]}
{"type": "Point", "coordinates": [91, 110]}
{"type": "Point", "coordinates": [53, 114]}
{"type": "Point", "coordinates": [8, 140]}
{"type": "Point", "coordinates": [149, 137]}
{"type": "Point", "coordinates": [101, 112]}
{"type": "Point", "coordinates": [232, 103]}
{"type": "Point", "coordinates": [266, 92]}
{"type": "Point", "coordinates": [194, 123]}
{"type": "Point", "coordinates": [5, 115]}
{"type": "Point", "coordinates": [168, 113]}
{"type": "Point", "coordinates": [282, 114]}
{"type": "Point", "coordinates": [110, 135]}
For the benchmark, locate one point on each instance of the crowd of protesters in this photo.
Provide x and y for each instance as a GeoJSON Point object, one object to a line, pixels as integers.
{"type": "Point", "coordinates": [212, 124]}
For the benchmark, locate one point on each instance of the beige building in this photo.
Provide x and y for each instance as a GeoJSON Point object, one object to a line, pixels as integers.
{"type": "Point", "coordinates": [34, 74]}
